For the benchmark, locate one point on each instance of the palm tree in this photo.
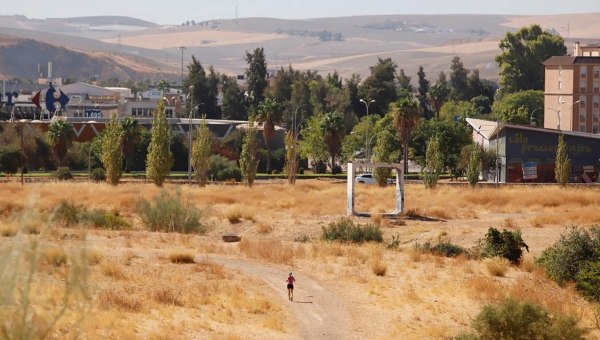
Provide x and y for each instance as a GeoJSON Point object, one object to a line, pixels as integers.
{"type": "Point", "coordinates": [406, 113]}
{"type": "Point", "coordinates": [268, 115]}
{"type": "Point", "coordinates": [61, 135]}
{"type": "Point", "coordinates": [438, 93]}
{"type": "Point", "coordinates": [332, 127]}
{"type": "Point", "coordinates": [131, 136]}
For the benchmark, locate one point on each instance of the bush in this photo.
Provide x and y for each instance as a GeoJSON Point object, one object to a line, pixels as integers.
{"type": "Point", "coordinates": [336, 169]}
{"type": "Point", "coordinates": [222, 169]}
{"type": "Point", "coordinates": [513, 320]}
{"type": "Point", "coordinates": [68, 214]}
{"type": "Point", "coordinates": [62, 174]}
{"type": "Point", "coordinates": [101, 219]}
{"type": "Point", "coordinates": [168, 213]}
{"type": "Point", "coordinates": [563, 260]}
{"type": "Point", "coordinates": [301, 171]}
{"type": "Point", "coordinates": [505, 244]}
{"type": "Point", "coordinates": [345, 230]}
{"type": "Point", "coordinates": [445, 248]}
{"type": "Point", "coordinates": [98, 175]}
{"type": "Point", "coordinates": [10, 159]}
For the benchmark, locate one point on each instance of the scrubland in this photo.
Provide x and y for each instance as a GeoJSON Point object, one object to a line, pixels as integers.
{"type": "Point", "coordinates": [125, 282]}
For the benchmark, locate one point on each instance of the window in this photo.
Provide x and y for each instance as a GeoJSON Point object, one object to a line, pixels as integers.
{"type": "Point", "coordinates": [595, 129]}
{"type": "Point", "coordinates": [595, 117]}
{"type": "Point", "coordinates": [582, 116]}
{"type": "Point", "coordinates": [560, 70]}
{"type": "Point", "coordinates": [560, 85]}
{"type": "Point", "coordinates": [582, 86]}
{"type": "Point", "coordinates": [596, 102]}
{"type": "Point", "coordinates": [583, 71]}
{"type": "Point", "coordinates": [596, 87]}
{"type": "Point", "coordinates": [581, 128]}
{"type": "Point", "coordinates": [596, 72]}
{"type": "Point", "coordinates": [582, 102]}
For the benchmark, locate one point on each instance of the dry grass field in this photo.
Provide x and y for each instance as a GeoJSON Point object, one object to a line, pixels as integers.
{"type": "Point", "coordinates": [136, 284]}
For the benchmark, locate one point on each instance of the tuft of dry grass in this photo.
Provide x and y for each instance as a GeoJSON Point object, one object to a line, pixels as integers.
{"type": "Point", "coordinates": [182, 257]}
{"type": "Point", "coordinates": [167, 295]}
{"type": "Point", "coordinates": [274, 250]}
{"type": "Point", "coordinates": [118, 299]}
{"type": "Point", "coordinates": [234, 215]}
{"type": "Point", "coordinates": [54, 256]}
{"type": "Point", "coordinates": [376, 218]}
{"type": "Point", "coordinates": [8, 230]}
{"type": "Point", "coordinates": [95, 257]}
{"type": "Point", "coordinates": [497, 266]}
{"type": "Point", "coordinates": [415, 255]}
{"type": "Point", "coordinates": [509, 223]}
{"type": "Point", "coordinates": [379, 268]}
{"type": "Point", "coordinates": [113, 270]}
{"type": "Point", "coordinates": [528, 263]}
{"type": "Point", "coordinates": [263, 228]}
{"type": "Point", "coordinates": [248, 215]}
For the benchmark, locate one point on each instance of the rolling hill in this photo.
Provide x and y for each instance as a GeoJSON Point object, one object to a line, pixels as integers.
{"type": "Point", "coordinates": [347, 44]}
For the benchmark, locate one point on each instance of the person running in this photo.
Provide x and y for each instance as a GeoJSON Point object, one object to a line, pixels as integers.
{"type": "Point", "coordinates": [290, 287]}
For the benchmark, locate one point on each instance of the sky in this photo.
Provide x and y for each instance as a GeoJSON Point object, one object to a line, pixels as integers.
{"type": "Point", "coordinates": [174, 12]}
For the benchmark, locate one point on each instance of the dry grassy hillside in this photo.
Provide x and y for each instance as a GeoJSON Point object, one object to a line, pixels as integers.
{"type": "Point", "coordinates": [129, 283]}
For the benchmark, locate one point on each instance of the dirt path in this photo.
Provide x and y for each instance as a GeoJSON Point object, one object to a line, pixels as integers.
{"type": "Point", "coordinates": [319, 311]}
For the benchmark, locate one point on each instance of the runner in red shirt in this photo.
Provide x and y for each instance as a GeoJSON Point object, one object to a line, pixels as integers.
{"type": "Point", "coordinates": [290, 287]}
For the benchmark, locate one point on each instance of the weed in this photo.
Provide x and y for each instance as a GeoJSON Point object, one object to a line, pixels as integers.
{"type": "Point", "coordinates": [55, 256]}
{"type": "Point", "coordinates": [345, 230]}
{"type": "Point", "coordinates": [263, 228]}
{"type": "Point", "coordinates": [8, 230]}
{"type": "Point", "coordinates": [117, 299]}
{"type": "Point", "coordinates": [181, 257]}
{"type": "Point", "coordinates": [302, 239]}
{"type": "Point", "coordinates": [234, 215]}
{"type": "Point", "coordinates": [68, 214]}
{"type": "Point", "coordinates": [166, 295]}
{"type": "Point", "coordinates": [101, 219]}
{"type": "Point", "coordinates": [497, 266]}
{"type": "Point", "coordinates": [168, 213]}
{"type": "Point", "coordinates": [395, 244]}
{"type": "Point", "coordinates": [112, 269]}
{"type": "Point", "coordinates": [379, 268]}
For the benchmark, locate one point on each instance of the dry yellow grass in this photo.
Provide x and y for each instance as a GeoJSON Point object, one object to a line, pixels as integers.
{"type": "Point", "coordinates": [497, 266]}
{"type": "Point", "coordinates": [182, 257]}
{"type": "Point", "coordinates": [139, 293]}
{"type": "Point", "coordinates": [8, 230]}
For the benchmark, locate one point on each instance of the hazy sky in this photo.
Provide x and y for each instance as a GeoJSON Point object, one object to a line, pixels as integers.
{"type": "Point", "coordinates": [174, 12]}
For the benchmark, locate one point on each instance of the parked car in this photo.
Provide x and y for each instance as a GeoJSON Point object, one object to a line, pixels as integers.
{"type": "Point", "coordinates": [367, 178]}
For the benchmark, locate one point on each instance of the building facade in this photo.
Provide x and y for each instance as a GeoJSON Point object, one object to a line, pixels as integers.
{"type": "Point", "coordinates": [572, 91]}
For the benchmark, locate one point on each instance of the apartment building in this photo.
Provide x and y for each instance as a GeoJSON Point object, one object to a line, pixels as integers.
{"type": "Point", "coordinates": [572, 91]}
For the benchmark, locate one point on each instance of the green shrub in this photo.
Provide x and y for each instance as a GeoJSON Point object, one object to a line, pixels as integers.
{"type": "Point", "coordinates": [344, 230]}
{"type": "Point", "coordinates": [68, 214]}
{"type": "Point", "coordinates": [98, 175]}
{"type": "Point", "coordinates": [301, 171]}
{"type": "Point", "coordinates": [395, 244]}
{"type": "Point", "coordinates": [566, 257]}
{"type": "Point", "coordinates": [62, 174]}
{"type": "Point", "coordinates": [169, 213]}
{"type": "Point", "coordinates": [588, 280]}
{"type": "Point", "coordinates": [222, 169]}
{"type": "Point", "coordinates": [505, 244]}
{"type": "Point", "coordinates": [446, 249]}
{"type": "Point", "coordinates": [514, 320]}
{"type": "Point", "coordinates": [10, 159]}
{"type": "Point", "coordinates": [101, 219]}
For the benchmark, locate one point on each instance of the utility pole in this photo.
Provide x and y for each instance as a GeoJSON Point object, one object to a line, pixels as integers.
{"type": "Point", "coordinates": [182, 48]}
{"type": "Point", "coordinates": [22, 166]}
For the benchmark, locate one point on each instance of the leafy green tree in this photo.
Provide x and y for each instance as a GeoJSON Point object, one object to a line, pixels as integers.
{"type": "Point", "coordinates": [474, 166]}
{"type": "Point", "coordinates": [459, 81]}
{"type": "Point", "coordinates": [423, 90]}
{"type": "Point", "coordinates": [249, 155]}
{"type": "Point", "coordinates": [405, 88]}
{"type": "Point", "coordinates": [201, 152]}
{"type": "Point", "coordinates": [434, 164]}
{"type": "Point", "coordinates": [312, 144]}
{"type": "Point", "coordinates": [10, 159]}
{"type": "Point", "coordinates": [163, 85]}
{"type": "Point", "coordinates": [257, 75]}
{"type": "Point", "coordinates": [332, 127]}
{"type": "Point", "coordinates": [132, 132]}
{"type": "Point", "coordinates": [530, 101]}
{"type": "Point", "coordinates": [481, 104]}
{"type": "Point", "coordinates": [522, 55]}
{"type": "Point", "coordinates": [562, 169]}
{"type": "Point", "coordinates": [112, 153]}
{"type": "Point", "coordinates": [60, 135]}
{"type": "Point", "coordinates": [268, 116]}
{"type": "Point", "coordinates": [453, 109]}
{"type": "Point", "coordinates": [334, 80]}
{"type": "Point", "coordinates": [232, 105]}
{"type": "Point", "coordinates": [406, 113]}
{"type": "Point", "coordinates": [291, 157]}
{"type": "Point", "coordinates": [438, 94]}
{"type": "Point", "coordinates": [379, 86]}
{"type": "Point", "coordinates": [159, 160]}
{"type": "Point", "coordinates": [357, 139]}
{"type": "Point", "coordinates": [387, 148]}
{"type": "Point", "coordinates": [204, 89]}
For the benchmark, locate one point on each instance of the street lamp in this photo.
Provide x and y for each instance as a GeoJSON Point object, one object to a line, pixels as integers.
{"type": "Point", "coordinates": [294, 119]}
{"type": "Point", "coordinates": [367, 129]}
{"type": "Point", "coordinates": [531, 119]}
{"type": "Point", "coordinates": [571, 122]}
{"type": "Point", "coordinates": [558, 115]}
